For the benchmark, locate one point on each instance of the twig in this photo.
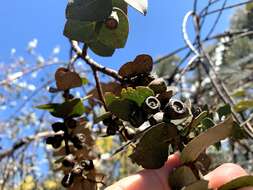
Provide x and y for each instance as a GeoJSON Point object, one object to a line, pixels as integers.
{"type": "Point", "coordinates": [228, 7]}
{"type": "Point", "coordinates": [110, 72]}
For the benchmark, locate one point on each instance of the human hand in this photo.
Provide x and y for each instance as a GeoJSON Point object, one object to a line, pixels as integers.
{"type": "Point", "coordinates": [158, 179]}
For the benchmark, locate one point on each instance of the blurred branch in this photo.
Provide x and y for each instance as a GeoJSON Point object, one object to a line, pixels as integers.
{"type": "Point", "coordinates": [27, 140]}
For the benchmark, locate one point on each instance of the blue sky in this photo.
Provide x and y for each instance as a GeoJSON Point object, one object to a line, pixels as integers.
{"type": "Point", "coordinates": [157, 34]}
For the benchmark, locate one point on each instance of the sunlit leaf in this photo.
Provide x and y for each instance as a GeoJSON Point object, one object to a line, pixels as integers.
{"type": "Point", "coordinates": [137, 95]}
{"type": "Point", "coordinates": [140, 5]}
{"type": "Point", "coordinates": [243, 105]}
{"type": "Point", "coordinates": [212, 135]}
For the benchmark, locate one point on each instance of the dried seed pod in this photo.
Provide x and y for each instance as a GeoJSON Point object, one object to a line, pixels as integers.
{"type": "Point", "coordinates": [67, 180]}
{"type": "Point", "coordinates": [151, 105]}
{"type": "Point", "coordinates": [158, 86]}
{"type": "Point", "coordinates": [138, 117]}
{"type": "Point", "coordinates": [69, 161]}
{"type": "Point", "coordinates": [77, 169]}
{"type": "Point", "coordinates": [175, 109]}
{"type": "Point", "coordinates": [164, 98]}
{"type": "Point", "coordinates": [87, 165]}
{"type": "Point", "coordinates": [58, 126]}
{"type": "Point", "coordinates": [71, 123]}
{"type": "Point", "coordinates": [79, 140]}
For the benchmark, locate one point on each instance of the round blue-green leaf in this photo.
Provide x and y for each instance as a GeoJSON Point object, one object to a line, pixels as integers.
{"type": "Point", "coordinates": [115, 38]}
{"type": "Point", "coordinates": [89, 10]}
{"type": "Point", "coordinates": [80, 31]}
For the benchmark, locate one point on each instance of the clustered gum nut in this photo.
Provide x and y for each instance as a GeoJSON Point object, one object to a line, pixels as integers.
{"type": "Point", "coordinates": [158, 86]}
{"type": "Point", "coordinates": [175, 109]}
{"type": "Point", "coordinates": [151, 105]}
{"type": "Point", "coordinates": [67, 180]}
{"type": "Point", "coordinates": [87, 165]}
{"type": "Point", "coordinates": [79, 140]}
{"type": "Point", "coordinates": [69, 161]}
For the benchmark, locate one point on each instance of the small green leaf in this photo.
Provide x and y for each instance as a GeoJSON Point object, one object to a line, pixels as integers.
{"type": "Point", "coordinates": [88, 10]}
{"type": "Point", "coordinates": [115, 38]}
{"type": "Point", "coordinates": [239, 93]}
{"type": "Point", "coordinates": [243, 105]}
{"type": "Point", "coordinates": [224, 111]}
{"type": "Point", "coordinates": [198, 119]}
{"type": "Point", "coordinates": [74, 108]}
{"type": "Point", "coordinates": [151, 152]}
{"type": "Point", "coordinates": [80, 31]}
{"type": "Point", "coordinates": [137, 95]}
{"type": "Point", "coordinates": [212, 135]}
{"type": "Point", "coordinates": [84, 81]}
{"type": "Point", "coordinates": [49, 107]}
{"type": "Point", "coordinates": [240, 182]}
{"type": "Point", "coordinates": [139, 5]}
{"type": "Point", "coordinates": [102, 117]}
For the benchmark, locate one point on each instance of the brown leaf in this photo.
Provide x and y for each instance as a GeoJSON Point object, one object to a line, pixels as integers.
{"type": "Point", "coordinates": [212, 135]}
{"type": "Point", "coordinates": [199, 185]}
{"type": "Point", "coordinates": [112, 87]}
{"type": "Point", "coordinates": [143, 64]}
{"type": "Point", "coordinates": [66, 79]}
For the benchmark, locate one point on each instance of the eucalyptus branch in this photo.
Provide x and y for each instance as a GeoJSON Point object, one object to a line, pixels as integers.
{"type": "Point", "coordinates": [110, 72]}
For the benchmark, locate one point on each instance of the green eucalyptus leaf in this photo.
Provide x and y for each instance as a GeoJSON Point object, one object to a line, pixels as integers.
{"type": "Point", "coordinates": [88, 10]}
{"type": "Point", "coordinates": [211, 136]}
{"type": "Point", "coordinates": [240, 182]}
{"type": "Point", "coordinates": [239, 93]}
{"type": "Point", "coordinates": [49, 107]}
{"type": "Point", "coordinates": [139, 5]}
{"type": "Point", "coordinates": [102, 117]}
{"type": "Point", "coordinates": [110, 97]}
{"type": "Point", "coordinates": [100, 49]}
{"type": "Point", "coordinates": [72, 108]}
{"type": "Point", "coordinates": [224, 111]}
{"type": "Point", "coordinates": [243, 105]}
{"type": "Point", "coordinates": [152, 151]}
{"type": "Point", "coordinates": [115, 38]}
{"type": "Point", "coordinates": [198, 119]}
{"type": "Point", "coordinates": [122, 108]}
{"type": "Point", "coordinates": [81, 31]}
{"type": "Point", "coordinates": [137, 95]}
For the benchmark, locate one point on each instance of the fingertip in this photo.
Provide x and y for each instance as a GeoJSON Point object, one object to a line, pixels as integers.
{"type": "Point", "coordinates": [223, 174]}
